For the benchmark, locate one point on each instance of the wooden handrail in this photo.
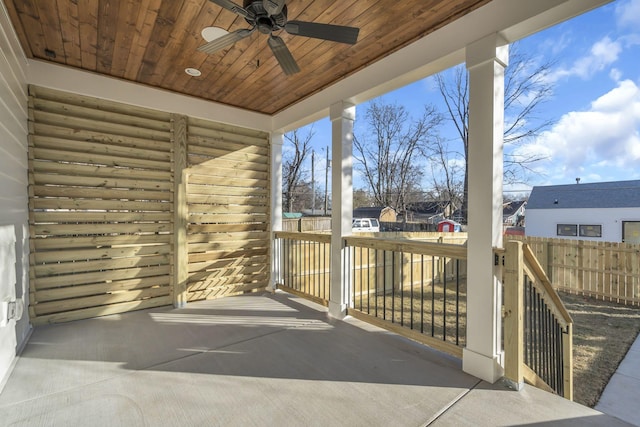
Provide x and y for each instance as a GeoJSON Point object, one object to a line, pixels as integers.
{"type": "Point", "coordinates": [420, 248]}
{"type": "Point", "coordinates": [304, 237]}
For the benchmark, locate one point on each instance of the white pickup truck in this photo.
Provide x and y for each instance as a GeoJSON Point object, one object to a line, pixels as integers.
{"type": "Point", "coordinates": [365, 224]}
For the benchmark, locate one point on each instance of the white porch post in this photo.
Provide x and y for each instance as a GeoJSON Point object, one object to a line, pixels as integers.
{"type": "Point", "coordinates": [342, 116]}
{"type": "Point", "coordinates": [486, 60]}
{"type": "Point", "coordinates": [277, 140]}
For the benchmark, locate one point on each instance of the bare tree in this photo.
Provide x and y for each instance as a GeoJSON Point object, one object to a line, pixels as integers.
{"type": "Point", "coordinates": [526, 89]}
{"type": "Point", "coordinates": [302, 196]}
{"type": "Point", "coordinates": [447, 174]}
{"type": "Point", "coordinates": [388, 153]}
{"type": "Point", "coordinates": [361, 198]}
{"type": "Point", "coordinates": [293, 175]}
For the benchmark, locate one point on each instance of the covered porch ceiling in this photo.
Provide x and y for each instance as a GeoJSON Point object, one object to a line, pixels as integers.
{"type": "Point", "coordinates": [151, 43]}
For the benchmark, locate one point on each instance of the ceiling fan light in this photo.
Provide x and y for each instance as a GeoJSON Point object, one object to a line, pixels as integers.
{"type": "Point", "coordinates": [212, 33]}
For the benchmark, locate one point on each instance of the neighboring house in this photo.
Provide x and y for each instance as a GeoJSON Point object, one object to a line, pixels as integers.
{"type": "Point", "coordinates": [604, 211]}
{"type": "Point", "coordinates": [382, 214]}
{"type": "Point", "coordinates": [513, 213]}
{"type": "Point", "coordinates": [429, 212]}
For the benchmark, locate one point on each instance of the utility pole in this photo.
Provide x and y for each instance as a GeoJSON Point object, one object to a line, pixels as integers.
{"type": "Point", "coordinates": [313, 182]}
{"type": "Point", "coordinates": [326, 182]}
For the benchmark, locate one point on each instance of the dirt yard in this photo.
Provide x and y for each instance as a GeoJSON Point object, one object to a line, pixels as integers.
{"type": "Point", "coordinates": [602, 334]}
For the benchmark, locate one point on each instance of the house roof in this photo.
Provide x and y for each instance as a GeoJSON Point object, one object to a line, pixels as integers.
{"type": "Point", "coordinates": [427, 208]}
{"type": "Point", "coordinates": [369, 212]}
{"type": "Point", "coordinates": [615, 194]}
{"type": "Point", "coordinates": [511, 208]}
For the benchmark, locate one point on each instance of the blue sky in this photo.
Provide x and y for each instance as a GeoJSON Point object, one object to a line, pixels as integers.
{"type": "Point", "coordinates": [595, 104]}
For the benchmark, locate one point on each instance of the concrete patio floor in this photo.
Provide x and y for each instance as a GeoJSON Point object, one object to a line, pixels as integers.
{"type": "Point", "coordinates": [255, 360]}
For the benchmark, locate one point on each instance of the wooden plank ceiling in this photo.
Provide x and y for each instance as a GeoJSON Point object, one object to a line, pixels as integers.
{"type": "Point", "coordinates": [152, 42]}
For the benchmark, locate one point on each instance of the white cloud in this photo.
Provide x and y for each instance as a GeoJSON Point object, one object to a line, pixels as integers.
{"type": "Point", "coordinates": [628, 14]}
{"type": "Point", "coordinates": [615, 74]}
{"type": "Point", "coordinates": [602, 54]}
{"type": "Point", "coordinates": [603, 141]}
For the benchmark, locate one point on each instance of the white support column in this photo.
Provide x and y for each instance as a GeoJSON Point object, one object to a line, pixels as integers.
{"type": "Point", "coordinates": [342, 117]}
{"type": "Point", "coordinates": [486, 60]}
{"type": "Point", "coordinates": [277, 140]}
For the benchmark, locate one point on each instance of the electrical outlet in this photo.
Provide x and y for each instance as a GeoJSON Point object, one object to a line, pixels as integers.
{"type": "Point", "coordinates": [10, 310]}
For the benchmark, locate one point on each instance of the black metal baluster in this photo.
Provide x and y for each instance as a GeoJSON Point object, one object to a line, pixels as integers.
{"type": "Point", "coordinates": [561, 358]}
{"type": "Point", "coordinates": [554, 353]}
{"type": "Point", "coordinates": [527, 325]}
{"type": "Point", "coordinates": [401, 266]}
{"type": "Point", "coordinates": [433, 296]}
{"type": "Point", "coordinates": [545, 342]}
{"type": "Point", "coordinates": [368, 281]}
{"type": "Point", "coordinates": [361, 280]}
{"type": "Point", "coordinates": [375, 278]}
{"type": "Point", "coordinates": [384, 284]}
{"type": "Point", "coordinates": [411, 287]}
{"type": "Point", "coordinates": [393, 287]}
{"type": "Point", "coordinates": [444, 299]}
{"type": "Point", "coordinates": [421, 293]}
{"type": "Point", "coordinates": [531, 325]}
{"type": "Point", "coordinates": [538, 334]}
{"type": "Point", "coordinates": [533, 331]}
{"type": "Point", "coordinates": [457, 301]}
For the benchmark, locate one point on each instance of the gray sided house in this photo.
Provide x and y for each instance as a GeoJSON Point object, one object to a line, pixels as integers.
{"type": "Point", "coordinates": [603, 211]}
{"type": "Point", "coordinates": [382, 214]}
{"type": "Point", "coordinates": [513, 213]}
{"type": "Point", "coordinates": [431, 212]}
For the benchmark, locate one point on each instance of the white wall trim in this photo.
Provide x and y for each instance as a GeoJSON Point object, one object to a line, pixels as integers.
{"type": "Point", "coordinates": [72, 80]}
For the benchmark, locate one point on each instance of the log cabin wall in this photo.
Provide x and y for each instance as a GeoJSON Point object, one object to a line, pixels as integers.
{"type": "Point", "coordinates": [110, 227]}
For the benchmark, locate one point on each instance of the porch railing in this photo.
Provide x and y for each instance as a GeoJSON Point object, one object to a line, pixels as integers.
{"type": "Point", "coordinates": [417, 289]}
{"type": "Point", "coordinates": [537, 327]}
{"type": "Point", "coordinates": [304, 264]}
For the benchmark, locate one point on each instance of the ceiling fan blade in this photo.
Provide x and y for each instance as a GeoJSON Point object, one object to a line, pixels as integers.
{"type": "Point", "coordinates": [283, 55]}
{"type": "Point", "coordinates": [273, 7]}
{"type": "Point", "coordinates": [224, 41]}
{"type": "Point", "coordinates": [335, 33]}
{"type": "Point", "coordinates": [235, 8]}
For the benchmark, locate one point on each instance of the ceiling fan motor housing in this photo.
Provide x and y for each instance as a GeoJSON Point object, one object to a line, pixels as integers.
{"type": "Point", "coordinates": [264, 22]}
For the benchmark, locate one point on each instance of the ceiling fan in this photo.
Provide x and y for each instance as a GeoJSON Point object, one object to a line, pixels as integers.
{"type": "Point", "coordinates": [269, 16]}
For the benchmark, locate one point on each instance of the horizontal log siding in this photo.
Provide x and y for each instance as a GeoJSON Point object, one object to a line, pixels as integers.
{"type": "Point", "coordinates": [101, 203]}
{"type": "Point", "coordinates": [228, 210]}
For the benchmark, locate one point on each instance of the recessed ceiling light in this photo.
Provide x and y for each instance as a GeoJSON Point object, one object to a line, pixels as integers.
{"type": "Point", "coordinates": [193, 72]}
{"type": "Point", "coordinates": [212, 33]}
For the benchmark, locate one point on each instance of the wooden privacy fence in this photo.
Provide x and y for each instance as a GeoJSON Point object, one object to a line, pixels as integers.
{"type": "Point", "coordinates": [132, 208]}
{"type": "Point", "coordinates": [303, 224]}
{"type": "Point", "coordinates": [604, 270]}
